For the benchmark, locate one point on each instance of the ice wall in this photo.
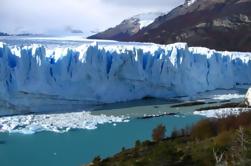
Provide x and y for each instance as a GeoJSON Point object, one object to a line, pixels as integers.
{"type": "Point", "coordinates": [115, 72]}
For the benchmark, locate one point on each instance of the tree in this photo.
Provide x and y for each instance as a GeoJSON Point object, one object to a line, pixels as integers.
{"type": "Point", "coordinates": [175, 133]}
{"type": "Point", "coordinates": [158, 133]}
{"type": "Point", "coordinates": [240, 148]}
{"type": "Point", "coordinates": [123, 149]}
{"type": "Point", "coordinates": [203, 130]}
{"type": "Point", "coordinates": [137, 143]}
{"type": "Point", "coordinates": [218, 158]}
{"type": "Point", "coordinates": [96, 160]}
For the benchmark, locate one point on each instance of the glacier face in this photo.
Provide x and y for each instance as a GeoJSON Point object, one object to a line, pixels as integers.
{"type": "Point", "coordinates": [34, 76]}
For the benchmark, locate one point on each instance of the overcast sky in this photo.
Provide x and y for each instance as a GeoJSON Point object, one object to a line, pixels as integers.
{"type": "Point", "coordinates": [53, 16]}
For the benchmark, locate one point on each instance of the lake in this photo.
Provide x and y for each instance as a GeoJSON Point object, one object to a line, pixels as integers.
{"type": "Point", "coordinates": [75, 138]}
{"type": "Point", "coordinates": [77, 147]}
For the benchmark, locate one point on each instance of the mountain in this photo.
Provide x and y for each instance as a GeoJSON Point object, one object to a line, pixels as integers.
{"type": "Point", "coordinates": [128, 27]}
{"type": "Point", "coordinates": [4, 34]}
{"type": "Point", "coordinates": [71, 30]}
{"type": "Point", "coordinates": [218, 24]}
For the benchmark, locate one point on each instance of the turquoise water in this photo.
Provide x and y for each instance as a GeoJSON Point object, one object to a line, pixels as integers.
{"type": "Point", "coordinates": [78, 147]}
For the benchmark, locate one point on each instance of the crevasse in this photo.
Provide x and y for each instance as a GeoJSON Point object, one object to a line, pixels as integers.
{"type": "Point", "coordinates": [94, 73]}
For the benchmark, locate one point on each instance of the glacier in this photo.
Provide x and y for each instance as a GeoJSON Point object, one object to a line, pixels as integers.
{"type": "Point", "coordinates": [34, 77]}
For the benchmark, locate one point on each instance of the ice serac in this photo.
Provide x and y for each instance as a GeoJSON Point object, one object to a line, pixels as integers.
{"type": "Point", "coordinates": [33, 76]}
{"type": "Point", "coordinates": [248, 98]}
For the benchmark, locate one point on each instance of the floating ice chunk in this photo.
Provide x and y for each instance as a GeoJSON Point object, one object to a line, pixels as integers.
{"type": "Point", "coordinates": [248, 97]}
{"type": "Point", "coordinates": [29, 124]}
{"type": "Point", "coordinates": [223, 112]}
{"type": "Point", "coordinates": [228, 96]}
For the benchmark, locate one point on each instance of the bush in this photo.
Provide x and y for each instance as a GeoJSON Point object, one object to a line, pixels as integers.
{"type": "Point", "coordinates": [123, 149]}
{"type": "Point", "coordinates": [224, 138]}
{"type": "Point", "coordinates": [96, 160]}
{"type": "Point", "coordinates": [137, 143]}
{"type": "Point", "coordinates": [203, 129]}
{"type": "Point", "coordinates": [175, 133]}
{"type": "Point", "coordinates": [158, 133]}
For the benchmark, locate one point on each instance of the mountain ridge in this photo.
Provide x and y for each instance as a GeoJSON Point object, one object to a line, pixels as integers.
{"type": "Point", "coordinates": [216, 24]}
{"type": "Point", "coordinates": [221, 25]}
{"type": "Point", "coordinates": [127, 27]}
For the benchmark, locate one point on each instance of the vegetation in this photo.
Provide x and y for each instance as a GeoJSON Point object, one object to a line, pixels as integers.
{"type": "Point", "coordinates": [159, 133]}
{"type": "Point", "coordinates": [223, 141]}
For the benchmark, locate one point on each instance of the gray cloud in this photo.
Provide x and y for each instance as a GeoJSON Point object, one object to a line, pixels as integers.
{"type": "Point", "coordinates": [146, 3]}
{"type": "Point", "coordinates": [43, 16]}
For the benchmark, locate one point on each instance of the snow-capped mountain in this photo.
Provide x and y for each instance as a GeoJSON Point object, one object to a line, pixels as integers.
{"type": "Point", "coordinates": [146, 18]}
{"type": "Point", "coordinates": [38, 77]}
{"type": "Point", "coordinates": [207, 23]}
{"type": "Point", "coordinates": [128, 27]}
{"type": "Point", "coordinates": [217, 24]}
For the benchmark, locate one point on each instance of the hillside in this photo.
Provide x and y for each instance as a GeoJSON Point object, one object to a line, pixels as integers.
{"type": "Point", "coordinates": [218, 24]}
{"type": "Point", "coordinates": [128, 27]}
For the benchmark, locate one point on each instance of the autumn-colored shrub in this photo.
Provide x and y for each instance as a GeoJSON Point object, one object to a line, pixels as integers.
{"type": "Point", "coordinates": [224, 138]}
{"type": "Point", "coordinates": [158, 133]}
{"type": "Point", "coordinates": [234, 122]}
{"type": "Point", "coordinates": [203, 129]}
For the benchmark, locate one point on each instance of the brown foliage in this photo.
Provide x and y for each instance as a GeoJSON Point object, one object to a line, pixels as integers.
{"type": "Point", "coordinates": [203, 129]}
{"type": "Point", "coordinates": [234, 122]}
{"type": "Point", "coordinates": [158, 133]}
{"type": "Point", "coordinates": [224, 138]}
{"type": "Point", "coordinates": [211, 127]}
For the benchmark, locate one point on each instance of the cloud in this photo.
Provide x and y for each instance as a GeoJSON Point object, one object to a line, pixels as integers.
{"type": "Point", "coordinates": [146, 3]}
{"type": "Point", "coordinates": [43, 16]}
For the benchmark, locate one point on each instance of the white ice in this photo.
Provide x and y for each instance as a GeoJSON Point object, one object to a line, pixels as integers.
{"type": "Point", "coordinates": [107, 72]}
{"type": "Point", "coordinates": [223, 112]}
{"type": "Point", "coordinates": [29, 124]}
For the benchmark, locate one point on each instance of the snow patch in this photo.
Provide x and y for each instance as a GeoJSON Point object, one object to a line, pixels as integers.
{"type": "Point", "coordinates": [146, 19]}
{"type": "Point", "coordinates": [189, 2]}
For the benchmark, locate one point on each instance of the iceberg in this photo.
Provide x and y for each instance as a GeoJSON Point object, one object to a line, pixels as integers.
{"type": "Point", "coordinates": [221, 113]}
{"type": "Point", "coordinates": [60, 123]}
{"type": "Point", "coordinates": [248, 98]}
{"type": "Point", "coordinates": [35, 77]}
